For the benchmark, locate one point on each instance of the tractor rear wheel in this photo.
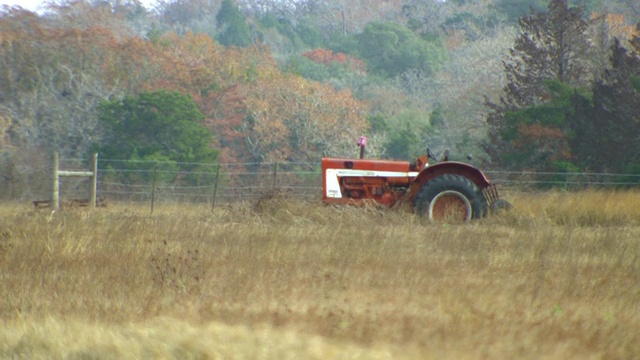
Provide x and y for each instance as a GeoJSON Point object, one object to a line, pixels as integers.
{"type": "Point", "coordinates": [450, 198]}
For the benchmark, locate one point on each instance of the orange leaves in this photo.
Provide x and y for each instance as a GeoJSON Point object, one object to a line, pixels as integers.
{"type": "Point", "coordinates": [543, 140]}
{"type": "Point", "coordinates": [324, 56]}
{"type": "Point", "coordinates": [194, 62]}
{"type": "Point", "coordinates": [191, 62]}
{"type": "Point", "coordinates": [225, 110]}
{"type": "Point", "coordinates": [616, 25]}
{"type": "Point", "coordinates": [537, 131]}
{"type": "Point", "coordinates": [255, 111]}
{"type": "Point", "coordinates": [294, 118]}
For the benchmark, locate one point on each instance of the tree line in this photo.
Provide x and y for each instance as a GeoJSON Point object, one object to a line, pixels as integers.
{"type": "Point", "coordinates": [519, 83]}
{"type": "Point", "coordinates": [571, 103]}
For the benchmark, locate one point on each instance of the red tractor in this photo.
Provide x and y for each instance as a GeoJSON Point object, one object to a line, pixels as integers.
{"type": "Point", "coordinates": [444, 191]}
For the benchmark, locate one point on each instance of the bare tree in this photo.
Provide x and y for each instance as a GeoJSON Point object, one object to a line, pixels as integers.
{"type": "Point", "coordinates": [189, 15]}
{"type": "Point", "coordinates": [457, 91]}
{"type": "Point", "coordinates": [350, 16]}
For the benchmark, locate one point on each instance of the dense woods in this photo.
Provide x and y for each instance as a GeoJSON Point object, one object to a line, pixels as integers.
{"type": "Point", "coordinates": [521, 84]}
{"type": "Point", "coordinates": [562, 109]}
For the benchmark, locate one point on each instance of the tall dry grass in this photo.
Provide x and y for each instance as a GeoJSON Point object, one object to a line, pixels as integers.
{"type": "Point", "coordinates": [558, 278]}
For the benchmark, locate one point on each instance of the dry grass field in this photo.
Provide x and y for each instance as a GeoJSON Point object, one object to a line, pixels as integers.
{"type": "Point", "coordinates": [557, 278]}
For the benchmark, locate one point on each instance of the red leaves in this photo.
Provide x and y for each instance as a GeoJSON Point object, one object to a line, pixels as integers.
{"type": "Point", "coordinates": [539, 139]}
{"type": "Point", "coordinates": [324, 56]}
{"type": "Point", "coordinates": [254, 110]}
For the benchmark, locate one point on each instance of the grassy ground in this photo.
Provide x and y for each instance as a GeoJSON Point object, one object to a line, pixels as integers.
{"type": "Point", "coordinates": [556, 278]}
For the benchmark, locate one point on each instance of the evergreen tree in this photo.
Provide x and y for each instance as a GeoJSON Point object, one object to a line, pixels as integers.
{"type": "Point", "coordinates": [235, 30]}
{"type": "Point", "coordinates": [605, 130]}
{"type": "Point", "coordinates": [551, 48]}
{"type": "Point", "coordinates": [515, 9]}
{"type": "Point", "coordinates": [391, 49]}
{"type": "Point", "coordinates": [155, 125]}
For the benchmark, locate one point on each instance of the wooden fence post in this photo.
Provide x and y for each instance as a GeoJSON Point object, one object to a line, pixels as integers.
{"type": "Point", "coordinates": [54, 203]}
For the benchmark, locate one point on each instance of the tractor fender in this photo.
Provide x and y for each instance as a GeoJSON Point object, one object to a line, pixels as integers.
{"type": "Point", "coordinates": [448, 167]}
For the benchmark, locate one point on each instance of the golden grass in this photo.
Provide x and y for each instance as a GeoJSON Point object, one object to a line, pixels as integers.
{"type": "Point", "coordinates": [557, 278]}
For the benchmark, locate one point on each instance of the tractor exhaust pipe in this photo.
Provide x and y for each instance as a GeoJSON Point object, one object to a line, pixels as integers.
{"type": "Point", "coordinates": [362, 143]}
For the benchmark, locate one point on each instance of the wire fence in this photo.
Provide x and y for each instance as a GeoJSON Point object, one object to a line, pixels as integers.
{"type": "Point", "coordinates": [533, 181]}
{"type": "Point", "coordinates": [206, 183]}
{"type": "Point", "coordinates": [172, 182]}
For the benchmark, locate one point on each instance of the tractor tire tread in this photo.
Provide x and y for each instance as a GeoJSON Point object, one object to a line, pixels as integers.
{"type": "Point", "coordinates": [454, 182]}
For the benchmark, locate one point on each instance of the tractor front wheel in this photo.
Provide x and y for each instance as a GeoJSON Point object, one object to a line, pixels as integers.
{"type": "Point", "coordinates": [450, 198]}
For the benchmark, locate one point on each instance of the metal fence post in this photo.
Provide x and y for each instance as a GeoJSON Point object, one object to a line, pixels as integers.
{"type": "Point", "coordinates": [215, 188]}
{"type": "Point", "coordinates": [153, 186]}
{"type": "Point", "coordinates": [55, 190]}
{"type": "Point", "coordinates": [93, 198]}
{"type": "Point", "coordinates": [275, 174]}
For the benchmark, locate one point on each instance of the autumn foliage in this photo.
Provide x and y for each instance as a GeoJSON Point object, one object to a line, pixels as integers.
{"type": "Point", "coordinates": [255, 111]}
{"type": "Point", "coordinates": [425, 65]}
{"type": "Point", "coordinates": [576, 111]}
{"type": "Point", "coordinates": [617, 25]}
{"type": "Point", "coordinates": [324, 56]}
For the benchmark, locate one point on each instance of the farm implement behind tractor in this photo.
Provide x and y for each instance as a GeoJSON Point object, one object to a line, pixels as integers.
{"type": "Point", "coordinates": [449, 191]}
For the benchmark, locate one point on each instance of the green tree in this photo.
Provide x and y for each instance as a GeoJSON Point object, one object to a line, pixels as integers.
{"type": "Point", "coordinates": [156, 125]}
{"type": "Point", "coordinates": [537, 133]}
{"type": "Point", "coordinates": [235, 30]}
{"type": "Point", "coordinates": [515, 9]}
{"type": "Point", "coordinates": [403, 143]}
{"type": "Point", "coordinates": [390, 49]}
{"type": "Point", "coordinates": [550, 49]}
{"type": "Point", "coordinates": [605, 128]}
{"type": "Point", "coordinates": [283, 35]}
{"type": "Point", "coordinates": [551, 46]}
